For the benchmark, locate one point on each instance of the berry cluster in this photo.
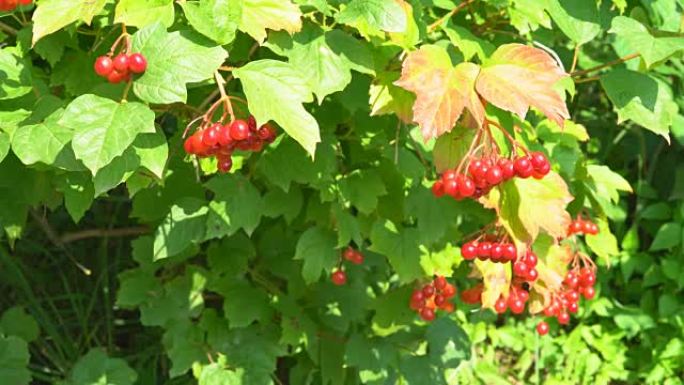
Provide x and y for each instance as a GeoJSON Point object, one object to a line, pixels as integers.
{"type": "Point", "coordinates": [516, 301]}
{"type": "Point", "coordinates": [434, 295]}
{"type": "Point", "coordinates": [472, 296]}
{"type": "Point", "coordinates": [216, 139]}
{"type": "Point", "coordinates": [525, 267]}
{"type": "Point", "coordinates": [339, 277]}
{"type": "Point", "coordinates": [121, 67]}
{"type": "Point", "coordinates": [487, 173]}
{"type": "Point", "coordinates": [582, 227]}
{"type": "Point", "coordinates": [11, 5]}
{"type": "Point", "coordinates": [498, 252]}
{"type": "Point", "coordinates": [566, 300]}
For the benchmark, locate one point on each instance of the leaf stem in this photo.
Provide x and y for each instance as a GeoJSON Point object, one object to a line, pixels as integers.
{"type": "Point", "coordinates": [8, 29]}
{"type": "Point", "coordinates": [588, 79]}
{"type": "Point", "coordinates": [575, 56]}
{"type": "Point", "coordinates": [606, 65]}
{"type": "Point", "coordinates": [448, 16]}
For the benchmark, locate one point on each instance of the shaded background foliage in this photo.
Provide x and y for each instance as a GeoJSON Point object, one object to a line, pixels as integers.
{"type": "Point", "coordinates": [160, 272]}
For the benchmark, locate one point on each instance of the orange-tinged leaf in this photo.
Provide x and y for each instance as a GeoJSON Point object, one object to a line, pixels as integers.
{"type": "Point", "coordinates": [552, 267]}
{"type": "Point", "coordinates": [442, 90]}
{"type": "Point", "coordinates": [518, 77]}
{"type": "Point", "coordinates": [497, 281]}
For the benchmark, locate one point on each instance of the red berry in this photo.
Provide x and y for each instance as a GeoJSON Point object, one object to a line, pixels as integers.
{"type": "Point", "coordinates": [451, 187]}
{"type": "Point", "coordinates": [449, 174]}
{"type": "Point", "coordinates": [572, 295]}
{"type": "Point", "coordinates": [532, 274]}
{"type": "Point", "coordinates": [563, 318]}
{"type": "Point", "coordinates": [449, 290]}
{"type": "Point", "coordinates": [520, 269]}
{"type": "Point", "coordinates": [417, 296]}
{"type": "Point", "coordinates": [225, 163]}
{"type": "Point", "coordinates": [541, 171]}
{"type": "Point", "coordinates": [523, 167]}
{"type": "Point", "coordinates": [484, 250]}
{"type": "Point", "coordinates": [586, 227]}
{"type": "Point", "coordinates": [469, 250]}
{"type": "Point", "coordinates": [573, 307]}
{"type": "Point", "coordinates": [571, 279]}
{"type": "Point", "coordinates": [481, 173]}
{"type": "Point", "coordinates": [538, 159]}
{"type": "Point", "coordinates": [551, 310]}
{"type": "Point", "coordinates": [224, 138]}
{"type": "Point", "coordinates": [448, 307]}
{"type": "Point", "coordinates": [116, 77]}
{"type": "Point", "coordinates": [576, 227]}
{"type": "Point", "coordinates": [494, 175]}
{"type": "Point", "coordinates": [531, 259]}
{"type": "Point", "coordinates": [593, 228]}
{"type": "Point", "coordinates": [339, 277]}
{"type": "Point", "coordinates": [440, 283]}
{"type": "Point", "coordinates": [516, 304]}
{"type": "Point", "coordinates": [428, 291]}
{"type": "Point", "coordinates": [507, 168]}
{"type": "Point", "coordinates": [509, 252]}
{"type": "Point", "coordinates": [210, 138]}
{"type": "Point", "coordinates": [104, 66]}
{"type": "Point", "coordinates": [349, 254]}
{"type": "Point", "coordinates": [187, 146]}
{"type": "Point", "coordinates": [438, 188]}
{"type": "Point", "coordinates": [427, 314]}
{"type": "Point", "coordinates": [137, 63]}
{"type": "Point", "coordinates": [475, 166]}
{"type": "Point", "coordinates": [121, 62]}
{"type": "Point", "coordinates": [497, 252]}
{"type": "Point", "coordinates": [500, 305]}
{"type": "Point", "coordinates": [588, 292]}
{"type": "Point", "coordinates": [587, 277]}
{"type": "Point", "coordinates": [239, 130]}
{"type": "Point", "coordinates": [252, 123]}
{"type": "Point", "coordinates": [542, 328]}
{"type": "Point", "coordinates": [472, 296]}
{"type": "Point", "coordinates": [358, 258]}
{"type": "Point", "coordinates": [440, 300]}
{"type": "Point", "coordinates": [466, 187]}
{"type": "Point", "coordinates": [417, 304]}
{"type": "Point", "coordinates": [266, 133]}
{"type": "Point", "coordinates": [523, 295]}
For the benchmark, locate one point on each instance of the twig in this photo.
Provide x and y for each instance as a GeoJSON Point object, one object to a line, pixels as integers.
{"type": "Point", "coordinates": [8, 29]}
{"type": "Point", "coordinates": [102, 233]}
{"type": "Point", "coordinates": [586, 80]}
{"type": "Point", "coordinates": [221, 83]}
{"type": "Point", "coordinates": [439, 22]}
{"type": "Point", "coordinates": [57, 241]}
{"type": "Point", "coordinates": [606, 65]}
{"type": "Point", "coordinates": [575, 56]}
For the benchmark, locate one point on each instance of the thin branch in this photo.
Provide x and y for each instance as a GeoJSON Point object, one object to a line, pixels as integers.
{"type": "Point", "coordinates": [606, 65]}
{"type": "Point", "coordinates": [57, 241]}
{"type": "Point", "coordinates": [8, 29]}
{"type": "Point", "coordinates": [575, 56]}
{"type": "Point", "coordinates": [587, 80]}
{"type": "Point", "coordinates": [103, 233]}
{"type": "Point", "coordinates": [448, 16]}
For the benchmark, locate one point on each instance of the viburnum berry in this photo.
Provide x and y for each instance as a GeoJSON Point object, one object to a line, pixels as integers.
{"type": "Point", "coordinates": [353, 256]}
{"type": "Point", "coordinates": [581, 226]}
{"type": "Point", "coordinates": [563, 318]}
{"type": "Point", "coordinates": [500, 306]}
{"type": "Point", "coordinates": [473, 295]}
{"type": "Point", "coordinates": [339, 277]}
{"type": "Point", "coordinates": [104, 65]}
{"type": "Point", "coordinates": [137, 63]}
{"type": "Point", "coordinates": [225, 163]}
{"type": "Point", "coordinates": [239, 130]}
{"type": "Point", "coordinates": [121, 63]}
{"type": "Point", "coordinates": [432, 296]}
{"type": "Point", "coordinates": [427, 314]}
{"type": "Point", "coordinates": [542, 328]}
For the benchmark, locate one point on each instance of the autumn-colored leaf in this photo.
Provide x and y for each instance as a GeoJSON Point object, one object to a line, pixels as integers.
{"type": "Point", "coordinates": [552, 267]}
{"type": "Point", "coordinates": [518, 77]}
{"type": "Point", "coordinates": [497, 281]}
{"type": "Point", "coordinates": [442, 90]}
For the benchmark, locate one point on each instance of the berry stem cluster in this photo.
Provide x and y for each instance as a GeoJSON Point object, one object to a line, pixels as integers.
{"type": "Point", "coordinates": [350, 254]}
{"type": "Point", "coordinates": [121, 66]}
{"type": "Point", "coordinates": [432, 296]}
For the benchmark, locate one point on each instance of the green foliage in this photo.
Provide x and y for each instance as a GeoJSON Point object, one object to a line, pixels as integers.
{"type": "Point", "coordinates": [126, 261]}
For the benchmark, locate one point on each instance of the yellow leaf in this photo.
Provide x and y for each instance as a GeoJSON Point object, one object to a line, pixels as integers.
{"type": "Point", "coordinates": [259, 15]}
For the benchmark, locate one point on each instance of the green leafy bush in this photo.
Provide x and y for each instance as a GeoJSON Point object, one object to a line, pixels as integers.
{"type": "Point", "coordinates": [295, 241]}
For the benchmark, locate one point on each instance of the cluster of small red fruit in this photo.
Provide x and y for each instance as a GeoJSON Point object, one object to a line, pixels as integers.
{"type": "Point", "coordinates": [566, 299]}
{"type": "Point", "coordinates": [121, 67]}
{"type": "Point", "coordinates": [503, 252]}
{"type": "Point", "coordinates": [11, 5]}
{"type": "Point", "coordinates": [221, 140]}
{"type": "Point", "coordinates": [581, 226]}
{"type": "Point", "coordinates": [339, 277]}
{"type": "Point", "coordinates": [432, 296]}
{"type": "Point", "coordinates": [516, 301]}
{"type": "Point", "coordinates": [487, 173]}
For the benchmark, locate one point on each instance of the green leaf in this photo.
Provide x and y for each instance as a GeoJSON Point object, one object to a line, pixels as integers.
{"type": "Point", "coordinates": [607, 182]}
{"type": "Point", "coordinates": [316, 247]}
{"type": "Point", "coordinates": [97, 368]}
{"type": "Point", "coordinates": [434, 216]}
{"type": "Point", "coordinates": [135, 287]}
{"type": "Point", "coordinates": [174, 59]}
{"type": "Point", "coordinates": [373, 16]}
{"type": "Point", "coordinates": [348, 227]}
{"type": "Point", "coordinates": [4, 145]}
{"type": "Point", "coordinates": [259, 15]}
{"type": "Point", "coordinates": [153, 151]}
{"type": "Point", "coordinates": [215, 19]}
{"type": "Point", "coordinates": [14, 360]}
{"type": "Point", "coordinates": [16, 74]}
{"type": "Point", "coordinates": [640, 40]}
{"type": "Point", "coordinates": [79, 194]}
{"type": "Point", "coordinates": [53, 15]}
{"type": "Point", "coordinates": [604, 244]}
{"type": "Point", "coordinates": [237, 205]}
{"type": "Point", "coordinates": [140, 13]}
{"type": "Point", "coordinates": [104, 129]}
{"type": "Point", "coordinates": [288, 204]}
{"type": "Point", "coordinates": [528, 15]}
{"type": "Point", "coordinates": [16, 322]}
{"type": "Point", "coordinates": [669, 235]}
{"type": "Point", "coordinates": [324, 59]}
{"type": "Point", "coordinates": [451, 148]}
{"type": "Point", "coordinates": [184, 343]}
{"type": "Point", "coordinates": [578, 19]}
{"type": "Point", "coordinates": [642, 99]}
{"type": "Point", "coordinates": [184, 225]}
{"type": "Point", "coordinates": [448, 343]}
{"type": "Point", "coordinates": [243, 303]}
{"type": "Point", "coordinates": [400, 246]}
{"type": "Point", "coordinates": [176, 301]}
{"type": "Point", "coordinates": [276, 91]}
{"type": "Point", "coordinates": [332, 364]}
{"type": "Point", "coordinates": [362, 189]}
{"type": "Point", "coordinates": [44, 142]}
{"type": "Point", "coordinates": [116, 172]}
{"type": "Point", "coordinates": [469, 44]}
{"type": "Point", "coordinates": [214, 374]}
{"type": "Point", "coordinates": [387, 99]}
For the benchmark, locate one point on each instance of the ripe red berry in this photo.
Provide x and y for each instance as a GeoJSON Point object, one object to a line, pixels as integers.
{"type": "Point", "coordinates": [497, 252]}
{"type": "Point", "coordinates": [509, 252]}
{"type": "Point", "coordinates": [224, 138]}
{"type": "Point", "coordinates": [252, 123]}
{"type": "Point", "coordinates": [266, 133]}
{"type": "Point", "coordinates": [104, 65]}
{"type": "Point", "coordinates": [494, 175]}
{"type": "Point", "coordinates": [472, 296]}
{"type": "Point", "coordinates": [210, 138]}
{"type": "Point", "coordinates": [339, 277]}
{"type": "Point", "coordinates": [451, 187]}
{"type": "Point", "coordinates": [428, 291]}
{"type": "Point", "coordinates": [573, 307]}
{"type": "Point", "coordinates": [520, 269]}
{"type": "Point", "coordinates": [516, 305]}
{"type": "Point", "coordinates": [572, 295]}
{"type": "Point", "coordinates": [507, 168]}
{"type": "Point", "coordinates": [484, 250]}
{"type": "Point", "coordinates": [440, 282]}
{"type": "Point", "coordinates": [239, 130]}
{"type": "Point", "coordinates": [587, 277]}
{"type": "Point", "coordinates": [417, 296]}
{"type": "Point", "coordinates": [571, 279]}
{"type": "Point", "coordinates": [440, 300]}
{"type": "Point", "coordinates": [563, 318]}
{"type": "Point", "coordinates": [449, 290]}
{"type": "Point", "coordinates": [576, 227]}
{"type": "Point", "coordinates": [225, 163]}
{"type": "Point", "coordinates": [448, 175]}
{"type": "Point", "coordinates": [542, 170]}
{"type": "Point", "coordinates": [531, 259]}
{"type": "Point", "coordinates": [475, 166]}
{"type": "Point", "coordinates": [588, 292]}
{"type": "Point", "coordinates": [438, 188]}
{"type": "Point", "coordinates": [500, 305]}
{"type": "Point", "coordinates": [593, 228]}
{"type": "Point", "coordinates": [542, 328]}
{"type": "Point", "coordinates": [523, 167]}
{"type": "Point", "coordinates": [187, 146]}
{"type": "Point", "coordinates": [116, 77]}
{"type": "Point", "coordinates": [469, 250]}
{"type": "Point", "coordinates": [538, 159]}
{"type": "Point", "coordinates": [427, 314]}
{"type": "Point", "coordinates": [466, 187]}
{"type": "Point", "coordinates": [532, 274]}
{"type": "Point", "coordinates": [121, 62]}
{"type": "Point", "coordinates": [137, 63]}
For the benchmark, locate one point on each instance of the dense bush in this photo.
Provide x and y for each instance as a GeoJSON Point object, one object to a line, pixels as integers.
{"type": "Point", "coordinates": [262, 192]}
